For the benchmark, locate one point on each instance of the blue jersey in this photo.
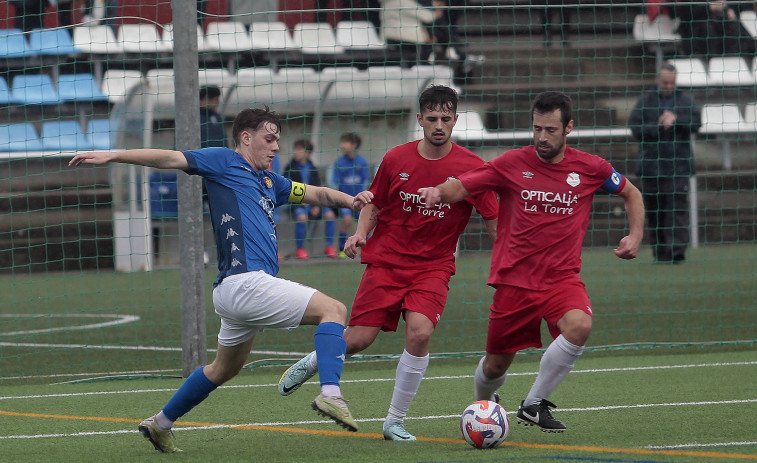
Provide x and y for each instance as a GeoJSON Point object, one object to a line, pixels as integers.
{"type": "Point", "coordinates": [351, 175]}
{"type": "Point", "coordinates": [241, 201]}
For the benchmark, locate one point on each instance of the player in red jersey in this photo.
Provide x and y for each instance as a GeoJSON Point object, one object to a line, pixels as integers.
{"type": "Point", "coordinates": [410, 255]}
{"type": "Point", "coordinates": [545, 193]}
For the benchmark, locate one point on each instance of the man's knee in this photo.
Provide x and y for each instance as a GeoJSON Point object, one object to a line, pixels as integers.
{"type": "Point", "coordinates": [322, 308]}
{"type": "Point", "coordinates": [334, 311]}
{"type": "Point", "coordinates": [219, 372]}
{"type": "Point", "coordinates": [577, 328]}
{"type": "Point", "coordinates": [360, 337]}
{"type": "Point", "coordinates": [418, 340]}
{"type": "Point", "coordinates": [357, 344]}
{"type": "Point", "coordinates": [496, 365]}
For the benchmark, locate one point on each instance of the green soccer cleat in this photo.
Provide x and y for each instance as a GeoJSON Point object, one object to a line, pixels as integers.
{"type": "Point", "coordinates": [397, 431]}
{"type": "Point", "coordinates": [336, 409]}
{"type": "Point", "coordinates": [163, 441]}
{"type": "Point", "coordinates": [295, 376]}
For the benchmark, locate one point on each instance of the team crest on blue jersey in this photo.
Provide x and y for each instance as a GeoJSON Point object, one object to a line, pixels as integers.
{"type": "Point", "coordinates": [268, 182]}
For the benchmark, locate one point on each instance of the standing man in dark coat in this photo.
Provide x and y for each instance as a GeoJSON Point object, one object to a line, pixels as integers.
{"type": "Point", "coordinates": [663, 121]}
{"type": "Point", "coordinates": [212, 132]}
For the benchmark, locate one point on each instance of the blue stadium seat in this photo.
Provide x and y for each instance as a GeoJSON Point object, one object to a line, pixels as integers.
{"type": "Point", "coordinates": [13, 44]}
{"type": "Point", "coordinates": [34, 89]}
{"type": "Point", "coordinates": [99, 134]}
{"type": "Point", "coordinates": [19, 137]}
{"type": "Point", "coordinates": [163, 195]}
{"type": "Point", "coordinates": [79, 87]}
{"type": "Point", "coordinates": [5, 93]}
{"type": "Point", "coordinates": [64, 136]}
{"type": "Point", "coordinates": [51, 42]}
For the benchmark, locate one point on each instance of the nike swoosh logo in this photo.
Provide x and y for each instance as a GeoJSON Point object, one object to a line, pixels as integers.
{"type": "Point", "coordinates": [401, 437]}
{"type": "Point", "coordinates": [534, 418]}
{"type": "Point", "coordinates": [287, 389]}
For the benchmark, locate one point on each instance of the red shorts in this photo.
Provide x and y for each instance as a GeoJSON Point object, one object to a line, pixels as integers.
{"type": "Point", "coordinates": [516, 314]}
{"type": "Point", "coordinates": [384, 293]}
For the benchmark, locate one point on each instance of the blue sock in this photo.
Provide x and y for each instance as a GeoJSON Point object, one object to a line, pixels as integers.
{"type": "Point", "coordinates": [300, 229]}
{"type": "Point", "coordinates": [330, 348]}
{"type": "Point", "coordinates": [194, 390]}
{"type": "Point", "coordinates": [329, 228]}
{"type": "Point", "coordinates": [342, 240]}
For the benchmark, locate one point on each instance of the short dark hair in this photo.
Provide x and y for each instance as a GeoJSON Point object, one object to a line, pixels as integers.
{"type": "Point", "coordinates": [304, 143]}
{"type": "Point", "coordinates": [438, 96]}
{"type": "Point", "coordinates": [668, 66]}
{"type": "Point", "coordinates": [549, 101]}
{"type": "Point", "coordinates": [209, 91]}
{"type": "Point", "coordinates": [351, 137]}
{"type": "Point", "coordinates": [252, 119]}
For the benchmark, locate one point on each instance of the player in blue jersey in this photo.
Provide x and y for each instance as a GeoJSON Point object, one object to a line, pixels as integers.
{"type": "Point", "coordinates": [301, 169]}
{"type": "Point", "coordinates": [247, 294]}
{"type": "Point", "coordinates": [351, 175]}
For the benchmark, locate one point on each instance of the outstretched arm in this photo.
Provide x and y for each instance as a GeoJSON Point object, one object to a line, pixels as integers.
{"type": "Point", "coordinates": [328, 197]}
{"type": "Point", "coordinates": [628, 247]}
{"type": "Point", "coordinates": [158, 158]}
{"type": "Point", "coordinates": [450, 191]}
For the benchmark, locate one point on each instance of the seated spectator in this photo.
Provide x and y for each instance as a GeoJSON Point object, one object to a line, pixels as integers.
{"type": "Point", "coordinates": [301, 169]}
{"type": "Point", "coordinates": [546, 10]}
{"type": "Point", "coordinates": [65, 13]}
{"type": "Point", "coordinates": [447, 45]}
{"type": "Point", "coordinates": [404, 25]}
{"type": "Point", "coordinates": [713, 29]}
{"type": "Point", "coordinates": [28, 14]}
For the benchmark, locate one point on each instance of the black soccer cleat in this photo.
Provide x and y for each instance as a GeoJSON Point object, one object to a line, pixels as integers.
{"type": "Point", "coordinates": [538, 415]}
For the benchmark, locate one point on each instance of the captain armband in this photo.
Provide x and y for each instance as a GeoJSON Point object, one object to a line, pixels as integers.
{"type": "Point", "coordinates": [298, 193]}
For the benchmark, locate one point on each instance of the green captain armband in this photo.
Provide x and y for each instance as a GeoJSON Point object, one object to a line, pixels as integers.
{"type": "Point", "coordinates": [298, 193]}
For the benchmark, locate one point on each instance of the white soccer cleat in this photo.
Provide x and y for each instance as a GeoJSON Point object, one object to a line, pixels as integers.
{"type": "Point", "coordinates": [397, 431]}
{"type": "Point", "coordinates": [295, 376]}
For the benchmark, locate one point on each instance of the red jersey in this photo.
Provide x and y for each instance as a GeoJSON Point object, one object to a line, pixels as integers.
{"type": "Point", "coordinates": [407, 234]}
{"type": "Point", "coordinates": [544, 212]}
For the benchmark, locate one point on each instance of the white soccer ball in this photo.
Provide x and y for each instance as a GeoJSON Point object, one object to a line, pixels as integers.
{"type": "Point", "coordinates": [484, 424]}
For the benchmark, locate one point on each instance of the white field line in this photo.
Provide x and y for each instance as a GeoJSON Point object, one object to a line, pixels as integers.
{"type": "Point", "coordinates": [697, 445]}
{"type": "Point", "coordinates": [115, 374]}
{"type": "Point", "coordinates": [122, 347]}
{"type": "Point", "coordinates": [429, 417]}
{"type": "Point", "coordinates": [374, 380]}
{"type": "Point", "coordinates": [119, 320]}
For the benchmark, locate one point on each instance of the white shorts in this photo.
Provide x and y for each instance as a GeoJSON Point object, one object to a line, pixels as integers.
{"type": "Point", "coordinates": [249, 302]}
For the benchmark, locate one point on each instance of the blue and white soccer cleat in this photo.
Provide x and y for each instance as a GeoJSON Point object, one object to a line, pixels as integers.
{"type": "Point", "coordinates": [397, 431]}
{"type": "Point", "coordinates": [295, 376]}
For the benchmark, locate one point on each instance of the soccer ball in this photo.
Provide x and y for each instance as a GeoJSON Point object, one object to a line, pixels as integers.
{"type": "Point", "coordinates": [484, 424]}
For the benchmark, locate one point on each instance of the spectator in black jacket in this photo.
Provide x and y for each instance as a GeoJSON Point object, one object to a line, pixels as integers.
{"type": "Point", "coordinates": [212, 132]}
{"type": "Point", "coordinates": [663, 121]}
{"type": "Point", "coordinates": [713, 28]}
{"type": "Point", "coordinates": [301, 169]}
